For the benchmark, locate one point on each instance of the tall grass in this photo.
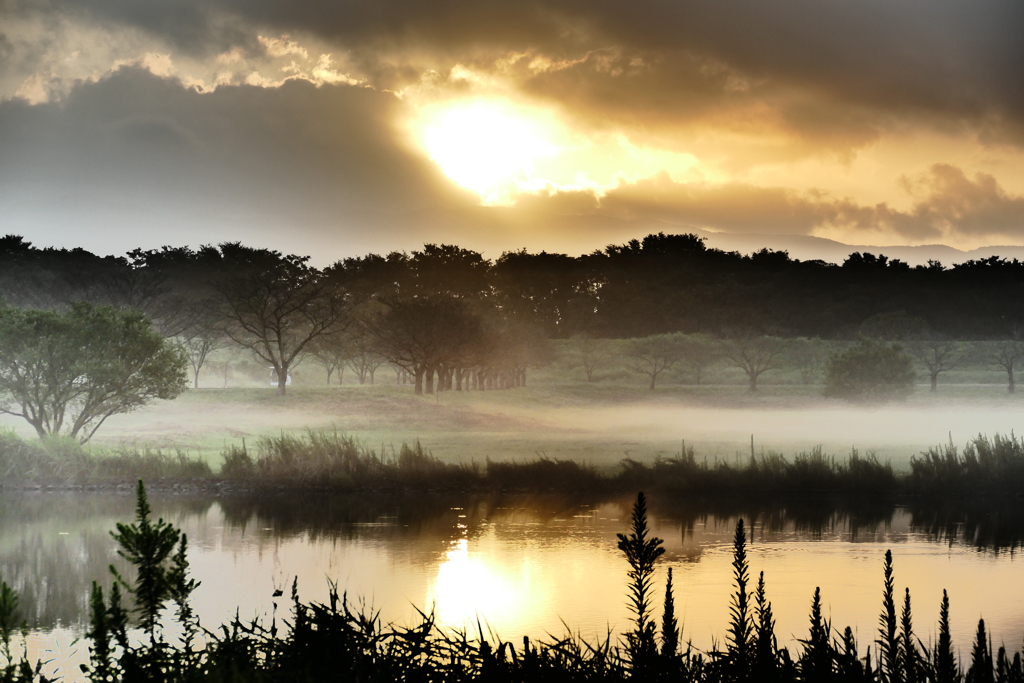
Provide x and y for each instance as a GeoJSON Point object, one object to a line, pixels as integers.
{"type": "Point", "coordinates": [335, 641]}
{"type": "Point", "coordinates": [332, 459]}
{"type": "Point", "coordinates": [986, 465]}
{"type": "Point", "coordinates": [337, 461]}
{"type": "Point", "coordinates": [65, 462]}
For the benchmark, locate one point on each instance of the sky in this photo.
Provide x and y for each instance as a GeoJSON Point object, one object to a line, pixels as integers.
{"type": "Point", "coordinates": [338, 128]}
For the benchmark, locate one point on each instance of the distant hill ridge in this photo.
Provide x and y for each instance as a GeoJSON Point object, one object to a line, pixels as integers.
{"type": "Point", "coordinates": [808, 248]}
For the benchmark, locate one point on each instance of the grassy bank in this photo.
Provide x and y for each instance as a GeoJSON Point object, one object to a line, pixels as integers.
{"type": "Point", "coordinates": [331, 460]}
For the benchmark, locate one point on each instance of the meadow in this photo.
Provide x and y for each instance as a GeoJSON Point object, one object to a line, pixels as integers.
{"type": "Point", "coordinates": [560, 416]}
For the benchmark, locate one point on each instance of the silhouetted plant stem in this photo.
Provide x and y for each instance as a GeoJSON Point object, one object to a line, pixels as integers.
{"type": "Point", "coordinates": [981, 658]}
{"type": "Point", "coordinates": [909, 654]}
{"type": "Point", "coordinates": [766, 650]}
{"type": "Point", "coordinates": [641, 553]}
{"type": "Point", "coordinates": [889, 662]}
{"type": "Point", "coordinates": [945, 661]}
{"type": "Point", "coordinates": [669, 624]}
{"type": "Point", "coordinates": [816, 661]}
{"type": "Point", "coordinates": [740, 628]}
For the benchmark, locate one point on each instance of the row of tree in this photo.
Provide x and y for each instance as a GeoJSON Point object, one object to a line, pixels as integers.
{"type": "Point", "coordinates": [447, 317]}
{"type": "Point", "coordinates": [660, 284]}
{"type": "Point", "coordinates": [280, 309]}
{"type": "Point", "coordinates": [755, 355]}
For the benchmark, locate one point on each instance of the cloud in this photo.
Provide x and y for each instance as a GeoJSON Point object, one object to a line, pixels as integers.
{"type": "Point", "coordinates": [268, 121]}
{"type": "Point", "coordinates": [837, 73]}
{"type": "Point", "coordinates": [949, 206]}
{"type": "Point", "coordinates": [134, 158]}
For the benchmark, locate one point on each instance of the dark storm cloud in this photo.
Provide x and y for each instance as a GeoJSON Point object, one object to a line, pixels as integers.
{"type": "Point", "coordinates": [835, 69]}
{"type": "Point", "coordinates": [138, 153]}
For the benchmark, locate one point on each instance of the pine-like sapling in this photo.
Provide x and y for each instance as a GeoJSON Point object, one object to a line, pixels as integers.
{"type": "Point", "coordinates": [669, 624]}
{"type": "Point", "coordinates": [641, 552]}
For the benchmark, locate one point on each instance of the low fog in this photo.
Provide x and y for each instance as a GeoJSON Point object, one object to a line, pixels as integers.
{"type": "Point", "coordinates": [539, 423]}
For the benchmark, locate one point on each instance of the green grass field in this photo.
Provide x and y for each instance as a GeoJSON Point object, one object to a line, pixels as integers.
{"type": "Point", "coordinates": [557, 415]}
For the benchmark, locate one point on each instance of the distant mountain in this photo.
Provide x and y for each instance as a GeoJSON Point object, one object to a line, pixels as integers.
{"type": "Point", "coordinates": [494, 229]}
{"type": "Point", "coordinates": [808, 248]}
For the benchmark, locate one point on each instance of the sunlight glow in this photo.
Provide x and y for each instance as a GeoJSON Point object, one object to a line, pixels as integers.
{"type": "Point", "coordinates": [467, 589]}
{"type": "Point", "coordinates": [502, 150]}
{"type": "Point", "coordinates": [486, 146]}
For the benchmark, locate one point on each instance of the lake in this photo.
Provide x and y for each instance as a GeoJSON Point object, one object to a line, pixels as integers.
{"type": "Point", "coordinates": [523, 565]}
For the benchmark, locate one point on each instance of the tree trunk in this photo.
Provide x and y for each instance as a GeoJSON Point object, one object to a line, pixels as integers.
{"type": "Point", "coordinates": [753, 381]}
{"type": "Point", "coordinates": [372, 372]}
{"type": "Point", "coordinates": [654, 378]}
{"type": "Point", "coordinates": [195, 376]}
{"type": "Point", "coordinates": [419, 381]}
{"type": "Point", "coordinates": [1010, 387]}
{"type": "Point", "coordinates": [935, 381]}
{"type": "Point", "coordinates": [282, 381]}
{"type": "Point", "coordinates": [429, 387]}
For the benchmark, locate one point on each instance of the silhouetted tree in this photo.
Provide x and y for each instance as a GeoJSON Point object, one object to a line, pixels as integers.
{"type": "Point", "coordinates": [699, 352]}
{"type": "Point", "coordinates": [937, 355]}
{"type": "Point", "coordinates": [276, 305]}
{"type": "Point", "coordinates": [754, 355]}
{"type": "Point", "coordinates": [589, 354]}
{"type": "Point", "coordinates": [332, 352]}
{"type": "Point", "coordinates": [1007, 354]}
{"type": "Point", "coordinates": [422, 334]}
{"type": "Point", "coordinates": [653, 355]}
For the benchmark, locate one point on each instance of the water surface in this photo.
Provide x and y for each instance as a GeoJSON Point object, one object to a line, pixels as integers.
{"type": "Point", "coordinates": [523, 565]}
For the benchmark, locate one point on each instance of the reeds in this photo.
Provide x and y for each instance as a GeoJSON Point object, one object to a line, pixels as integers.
{"type": "Point", "coordinates": [65, 462]}
{"type": "Point", "coordinates": [985, 465]}
{"type": "Point", "coordinates": [334, 641]}
{"type": "Point", "coordinates": [330, 459]}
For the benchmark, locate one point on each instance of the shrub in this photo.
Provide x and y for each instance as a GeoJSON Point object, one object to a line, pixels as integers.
{"type": "Point", "coordinates": [870, 370]}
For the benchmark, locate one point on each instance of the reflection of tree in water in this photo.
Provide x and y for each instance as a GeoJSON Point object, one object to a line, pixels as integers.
{"type": "Point", "coordinates": [424, 516]}
{"type": "Point", "coordinates": [849, 519]}
{"type": "Point", "coordinates": [54, 545]}
{"type": "Point", "coordinates": [996, 525]}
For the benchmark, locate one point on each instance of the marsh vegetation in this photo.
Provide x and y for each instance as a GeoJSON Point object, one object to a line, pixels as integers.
{"type": "Point", "coordinates": [312, 640]}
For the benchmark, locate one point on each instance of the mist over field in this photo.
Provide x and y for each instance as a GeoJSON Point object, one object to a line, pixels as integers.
{"type": "Point", "coordinates": [544, 422]}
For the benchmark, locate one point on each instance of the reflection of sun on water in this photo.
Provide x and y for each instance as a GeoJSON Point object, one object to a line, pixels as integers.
{"type": "Point", "coordinates": [468, 590]}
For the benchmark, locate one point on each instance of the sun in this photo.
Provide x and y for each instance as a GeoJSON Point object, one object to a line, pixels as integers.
{"type": "Point", "coordinates": [486, 146]}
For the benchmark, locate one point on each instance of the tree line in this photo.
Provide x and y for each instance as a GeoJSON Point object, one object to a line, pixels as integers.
{"type": "Point", "coordinates": [660, 284]}
{"type": "Point", "coordinates": [449, 319]}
